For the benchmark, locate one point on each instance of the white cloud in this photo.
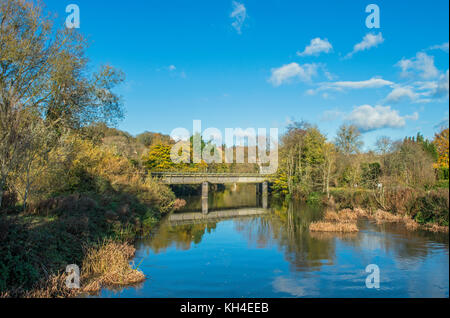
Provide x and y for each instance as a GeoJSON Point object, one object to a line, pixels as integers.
{"type": "Point", "coordinates": [172, 67]}
{"type": "Point", "coordinates": [286, 73]}
{"type": "Point", "coordinates": [442, 86]}
{"type": "Point", "coordinates": [422, 64]}
{"type": "Point", "coordinates": [414, 116]}
{"type": "Point", "coordinates": [370, 40]}
{"type": "Point", "coordinates": [316, 47]}
{"type": "Point", "coordinates": [239, 14]}
{"type": "Point", "coordinates": [421, 91]}
{"type": "Point", "coordinates": [374, 82]}
{"type": "Point", "coordinates": [368, 118]}
{"type": "Point", "coordinates": [330, 115]}
{"type": "Point", "coordinates": [399, 93]}
{"type": "Point", "coordinates": [443, 47]}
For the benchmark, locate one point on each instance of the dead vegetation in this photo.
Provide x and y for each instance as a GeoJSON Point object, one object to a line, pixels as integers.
{"type": "Point", "coordinates": [436, 228]}
{"type": "Point", "coordinates": [344, 221]}
{"type": "Point", "coordinates": [108, 265]}
{"type": "Point", "coordinates": [338, 222]}
{"type": "Point", "coordinates": [338, 227]}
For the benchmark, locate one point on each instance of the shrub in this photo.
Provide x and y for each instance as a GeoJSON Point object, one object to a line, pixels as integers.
{"type": "Point", "coordinates": [432, 207]}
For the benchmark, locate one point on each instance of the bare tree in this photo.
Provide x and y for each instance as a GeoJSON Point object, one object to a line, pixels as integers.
{"type": "Point", "coordinates": [348, 140]}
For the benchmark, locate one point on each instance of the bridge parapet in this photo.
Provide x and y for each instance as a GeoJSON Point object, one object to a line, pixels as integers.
{"type": "Point", "coordinates": [215, 178]}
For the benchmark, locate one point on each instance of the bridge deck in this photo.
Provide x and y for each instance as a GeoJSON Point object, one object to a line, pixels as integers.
{"type": "Point", "coordinates": [215, 178]}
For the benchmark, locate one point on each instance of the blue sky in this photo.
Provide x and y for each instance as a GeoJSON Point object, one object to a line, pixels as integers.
{"type": "Point", "coordinates": [252, 63]}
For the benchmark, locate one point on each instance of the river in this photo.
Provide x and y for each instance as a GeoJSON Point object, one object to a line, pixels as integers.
{"type": "Point", "coordinates": [242, 250]}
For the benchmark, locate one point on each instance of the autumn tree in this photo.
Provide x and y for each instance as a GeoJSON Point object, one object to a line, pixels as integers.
{"type": "Point", "coordinates": [441, 141]}
{"type": "Point", "coordinates": [158, 158]}
{"type": "Point", "coordinates": [44, 74]}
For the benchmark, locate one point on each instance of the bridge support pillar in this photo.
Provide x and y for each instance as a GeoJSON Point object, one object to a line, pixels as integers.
{"type": "Point", "coordinates": [265, 195]}
{"type": "Point", "coordinates": [205, 188]}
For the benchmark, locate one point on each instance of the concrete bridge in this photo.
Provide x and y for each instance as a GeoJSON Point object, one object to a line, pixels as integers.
{"type": "Point", "coordinates": [215, 178]}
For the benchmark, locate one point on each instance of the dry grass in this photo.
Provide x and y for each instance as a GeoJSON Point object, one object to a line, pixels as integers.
{"type": "Point", "coordinates": [436, 228]}
{"type": "Point", "coordinates": [53, 287]}
{"type": "Point", "coordinates": [338, 227]}
{"type": "Point", "coordinates": [104, 266]}
{"type": "Point", "coordinates": [410, 224]}
{"type": "Point", "coordinates": [385, 217]}
{"type": "Point", "coordinates": [331, 216]}
{"type": "Point", "coordinates": [346, 215]}
{"type": "Point", "coordinates": [382, 217]}
{"type": "Point", "coordinates": [108, 265]}
{"type": "Point", "coordinates": [360, 212]}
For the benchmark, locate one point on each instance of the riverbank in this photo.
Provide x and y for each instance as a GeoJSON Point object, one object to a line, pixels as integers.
{"type": "Point", "coordinates": [345, 221]}
{"type": "Point", "coordinates": [95, 232]}
{"type": "Point", "coordinates": [418, 208]}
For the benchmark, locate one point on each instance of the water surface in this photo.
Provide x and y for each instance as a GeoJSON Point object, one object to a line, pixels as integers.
{"type": "Point", "coordinates": [271, 253]}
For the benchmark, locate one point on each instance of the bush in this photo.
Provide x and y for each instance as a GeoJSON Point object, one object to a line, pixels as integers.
{"type": "Point", "coordinates": [432, 208]}
{"type": "Point", "coordinates": [346, 198]}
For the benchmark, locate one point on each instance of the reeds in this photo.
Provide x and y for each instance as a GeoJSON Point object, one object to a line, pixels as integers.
{"type": "Point", "coordinates": [334, 221]}
{"type": "Point", "coordinates": [338, 227]}
{"type": "Point", "coordinates": [108, 265]}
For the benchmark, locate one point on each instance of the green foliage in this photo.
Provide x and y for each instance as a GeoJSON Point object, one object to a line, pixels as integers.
{"type": "Point", "coordinates": [432, 208]}
{"type": "Point", "coordinates": [371, 173]}
{"type": "Point", "coordinates": [347, 198]}
{"type": "Point", "coordinates": [314, 198]}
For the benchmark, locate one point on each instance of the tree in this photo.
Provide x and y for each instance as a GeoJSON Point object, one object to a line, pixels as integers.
{"type": "Point", "coordinates": [329, 155]}
{"type": "Point", "coordinates": [158, 158]}
{"type": "Point", "coordinates": [303, 160]}
{"type": "Point", "coordinates": [383, 145]}
{"type": "Point", "coordinates": [409, 164]}
{"type": "Point", "coordinates": [348, 143]}
{"type": "Point", "coordinates": [441, 141]}
{"type": "Point", "coordinates": [43, 74]}
{"type": "Point", "coordinates": [348, 140]}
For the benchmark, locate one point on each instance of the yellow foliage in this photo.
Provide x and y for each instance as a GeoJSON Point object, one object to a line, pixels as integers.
{"type": "Point", "coordinates": [441, 142]}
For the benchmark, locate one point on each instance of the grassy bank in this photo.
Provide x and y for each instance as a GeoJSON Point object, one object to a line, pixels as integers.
{"type": "Point", "coordinates": [89, 199]}
{"type": "Point", "coordinates": [83, 229]}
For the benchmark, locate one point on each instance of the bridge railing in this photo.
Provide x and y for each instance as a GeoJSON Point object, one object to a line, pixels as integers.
{"type": "Point", "coordinates": [203, 174]}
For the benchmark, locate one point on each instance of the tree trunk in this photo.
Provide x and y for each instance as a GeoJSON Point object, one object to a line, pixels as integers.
{"type": "Point", "coordinates": [328, 180]}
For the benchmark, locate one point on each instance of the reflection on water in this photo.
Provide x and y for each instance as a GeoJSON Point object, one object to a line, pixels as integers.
{"type": "Point", "coordinates": [270, 253]}
{"type": "Point", "coordinates": [240, 195]}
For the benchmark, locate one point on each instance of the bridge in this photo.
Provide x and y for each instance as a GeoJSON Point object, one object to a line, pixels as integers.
{"type": "Point", "coordinates": [214, 178]}
{"type": "Point", "coordinates": [205, 179]}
